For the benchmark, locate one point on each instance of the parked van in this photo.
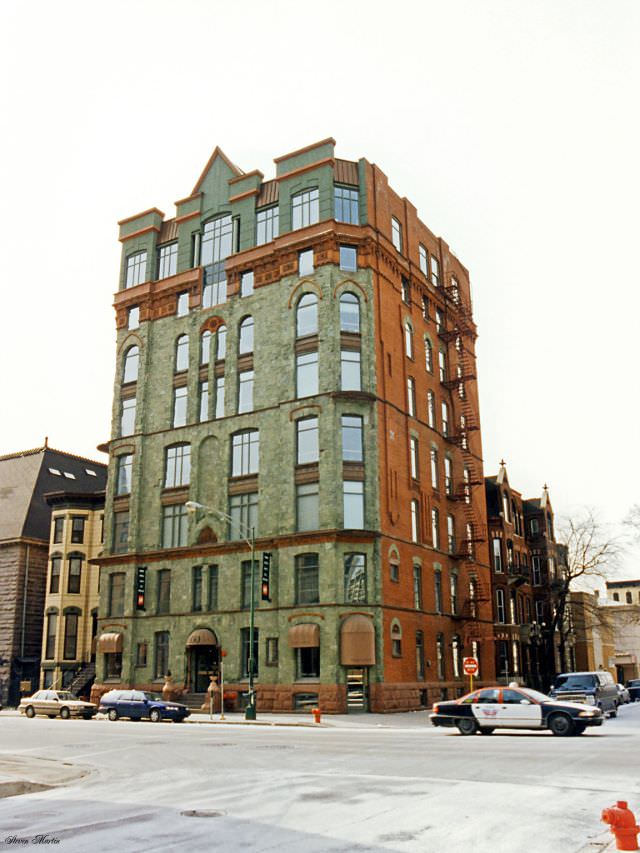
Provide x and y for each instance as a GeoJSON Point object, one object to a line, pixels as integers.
{"type": "Point", "coordinates": [592, 688]}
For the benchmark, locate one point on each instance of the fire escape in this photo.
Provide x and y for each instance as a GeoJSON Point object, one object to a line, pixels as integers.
{"type": "Point", "coordinates": [458, 332]}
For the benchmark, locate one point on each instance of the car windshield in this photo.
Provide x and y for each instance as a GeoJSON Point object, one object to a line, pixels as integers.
{"type": "Point", "coordinates": [575, 682]}
{"type": "Point", "coordinates": [65, 696]}
{"type": "Point", "coordinates": [153, 697]}
{"type": "Point", "coordinates": [534, 694]}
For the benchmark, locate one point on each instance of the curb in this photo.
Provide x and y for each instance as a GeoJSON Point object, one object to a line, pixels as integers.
{"type": "Point", "coordinates": [256, 723]}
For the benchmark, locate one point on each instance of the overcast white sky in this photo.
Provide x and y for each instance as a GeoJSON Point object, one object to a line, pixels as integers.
{"type": "Point", "coordinates": [512, 125]}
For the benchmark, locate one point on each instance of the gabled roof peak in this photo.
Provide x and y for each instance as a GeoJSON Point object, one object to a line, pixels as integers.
{"type": "Point", "coordinates": [217, 153]}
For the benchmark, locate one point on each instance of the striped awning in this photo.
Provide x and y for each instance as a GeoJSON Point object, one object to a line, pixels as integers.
{"type": "Point", "coordinates": [305, 636]}
{"type": "Point", "coordinates": [110, 644]}
{"type": "Point", "coordinates": [357, 641]}
{"type": "Point", "coordinates": [202, 637]}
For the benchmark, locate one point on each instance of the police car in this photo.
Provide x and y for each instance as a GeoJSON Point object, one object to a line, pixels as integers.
{"type": "Point", "coordinates": [514, 707]}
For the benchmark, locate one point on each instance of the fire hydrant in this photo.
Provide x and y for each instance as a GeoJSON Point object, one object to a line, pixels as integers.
{"type": "Point", "coordinates": [317, 714]}
{"type": "Point", "coordinates": [623, 825]}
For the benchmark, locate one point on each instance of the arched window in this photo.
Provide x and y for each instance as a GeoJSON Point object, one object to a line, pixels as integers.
{"type": "Point", "coordinates": [349, 313]}
{"type": "Point", "coordinates": [245, 452]}
{"type": "Point", "coordinates": [205, 347]}
{"type": "Point", "coordinates": [131, 359]}
{"type": "Point", "coordinates": [408, 340]}
{"type": "Point", "coordinates": [428, 355]}
{"type": "Point", "coordinates": [182, 354]}
{"type": "Point", "coordinates": [221, 344]}
{"type": "Point", "coordinates": [307, 315]}
{"type": "Point", "coordinates": [245, 342]}
{"type": "Point", "coordinates": [396, 639]}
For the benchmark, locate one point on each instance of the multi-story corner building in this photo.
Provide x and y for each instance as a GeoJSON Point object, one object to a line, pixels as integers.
{"type": "Point", "coordinates": [25, 515]}
{"type": "Point", "coordinates": [625, 592]}
{"type": "Point", "coordinates": [608, 631]}
{"type": "Point", "coordinates": [72, 591]}
{"type": "Point", "coordinates": [526, 561]}
{"type": "Point", "coordinates": [296, 355]}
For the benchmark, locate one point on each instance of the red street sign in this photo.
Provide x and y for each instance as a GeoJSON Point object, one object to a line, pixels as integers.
{"type": "Point", "coordinates": [470, 666]}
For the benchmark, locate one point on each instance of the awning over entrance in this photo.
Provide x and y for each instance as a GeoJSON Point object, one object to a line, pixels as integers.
{"type": "Point", "coordinates": [305, 636]}
{"type": "Point", "coordinates": [110, 644]}
{"type": "Point", "coordinates": [202, 637]}
{"type": "Point", "coordinates": [357, 642]}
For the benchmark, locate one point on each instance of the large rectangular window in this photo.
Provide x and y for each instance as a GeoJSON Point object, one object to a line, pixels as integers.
{"type": "Point", "coordinates": [128, 417]}
{"type": "Point", "coordinates": [501, 614]}
{"type": "Point", "coordinates": [124, 466]}
{"type": "Point", "coordinates": [203, 407]}
{"type": "Point", "coordinates": [348, 258]}
{"type": "Point", "coordinates": [219, 397]}
{"type": "Point", "coordinates": [244, 651]}
{"type": "Point", "coordinates": [352, 450]}
{"type": "Point", "coordinates": [307, 374]}
{"type": "Point", "coordinates": [350, 370]}
{"type": "Point", "coordinates": [245, 391]}
{"type": "Point", "coordinates": [448, 476]}
{"type": "Point", "coordinates": [355, 578]}
{"type": "Point", "coordinates": [305, 209]}
{"type": "Point", "coordinates": [411, 396]}
{"type": "Point", "coordinates": [179, 406]}
{"type": "Point", "coordinates": [424, 260]}
{"type": "Point", "coordinates": [267, 225]}
{"type": "Point", "coordinates": [177, 466]}
{"type": "Point", "coordinates": [308, 662]}
{"type": "Point", "coordinates": [70, 636]}
{"type": "Point", "coordinates": [136, 269]}
{"type": "Point", "coordinates": [174, 526]}
{"type": "Point", "coordinates": [451, 534]}
{"type": "Point", "coordinates": [353, 504]}
{"type": "Point", "coordinates": [246, 284]}
{"type": "Point", "coordinates": [52, 629]}
{"type": "Point", "coordinates": [58, 528]}
{"type": "Point", "coordinates": [396, 233]}
{"type": "Point", "coordinates": [243, 510]}
{"type": "Point", "coordinates": [413, 457]}
{"type": "Point", "coordinates": [497, 555]}
{"type": "Point", "coordinates": [161, 655]}
{"type": "Point", "coordinates": [196, 588]}
{"type": "Point", "coordinates": [163, 600]}
{"type": "Point", "coordinates": [75, 575]}
{"type": "Point", "coordinates": [433, 457]}
{"type": "Point", "coordinates": [415, 521]}
{"type": "Point", "coordinates": [245, 453]}
{"type": "Point", "coordinates": [437, 583]}
{"type": "Point", "coordinates": [346, 205]}
{"type": "Point", "coordinates": [115, 602]}
{"type": "Point", "coordinates": [307, 444]}
{"type": "Point", "coordinates": [216, 245]}
{"type": "Point", "coordinates": [56, 566]}
{"type": "Point", "coordinates": [167, 260]}
{"type": "Point", "coordinates": [308, 506]}
{"type": "Point", "coordinates": [245, 571]}
{"type": "Point", "coordinates": [307, 579]}
{"type": "Point", "coordinates": [120, 532]}
{"type": "Point", "coordinates": [417, 586]}
{"type": "Point", "coordinates": [77, 528]}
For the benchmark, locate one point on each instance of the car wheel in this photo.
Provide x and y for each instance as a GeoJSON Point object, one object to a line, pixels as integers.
{"type": "Point", "coordinates": [51, 716]}
{"type": "Point", "coordinates": [614, 712]}
{"type": "Point", "coordinates": [154, 716]}
{"type": "Point", "coordinates": [578, 728]}
{"type": "Point", "coordinates": [30, 712]}
{"type": "Point", "coordinates": [484, 731]}
{"type": "Point", "coordinates": [65, 713]}
{"type": "Point", "coordinates": [561, 725]}
{"type": "Point", "coordinates": [113, 715]}
{"type": "Point", "coordinates": [467, 726]}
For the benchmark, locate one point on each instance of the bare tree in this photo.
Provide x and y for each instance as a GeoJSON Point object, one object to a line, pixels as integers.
{"type": "Point", "coordinates": [632, 521]}
{"type": "Point", "coordinates": [589, 553]}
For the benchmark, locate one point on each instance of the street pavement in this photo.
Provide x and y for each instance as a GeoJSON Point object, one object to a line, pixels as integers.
{"type": "Point", "coordinates": [366, 783]}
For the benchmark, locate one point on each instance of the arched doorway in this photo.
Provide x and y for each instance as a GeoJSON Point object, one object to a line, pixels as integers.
{"type": "Point", "coordinates": [357, 654]}
{"type": "Point", "coordinates": [203, 659]}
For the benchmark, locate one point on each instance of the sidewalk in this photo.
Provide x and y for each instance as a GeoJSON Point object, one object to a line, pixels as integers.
{"type": "Point", "coordinates": [18, 774]}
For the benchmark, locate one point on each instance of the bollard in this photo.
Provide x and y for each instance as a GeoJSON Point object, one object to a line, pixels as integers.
{"type": "Point", "coordinates": [623, 825]}
{"type": "Point", "coordinates": [317, 713]}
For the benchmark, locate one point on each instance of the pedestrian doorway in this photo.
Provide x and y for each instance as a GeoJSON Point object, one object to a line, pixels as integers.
{"type": "Point", "coordinates": [203, 660]}
{"type": "Point", "coordinates": [357, 699]}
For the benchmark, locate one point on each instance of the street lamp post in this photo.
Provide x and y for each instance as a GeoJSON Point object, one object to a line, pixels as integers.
{"type": "Point", "coordinates": [194, 506]}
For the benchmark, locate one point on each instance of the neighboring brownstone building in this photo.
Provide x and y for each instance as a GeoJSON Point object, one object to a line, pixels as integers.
{"type": "Point", "coordinates": [526, 561]}
{"type": "Point", "coordinates": [24, 546]}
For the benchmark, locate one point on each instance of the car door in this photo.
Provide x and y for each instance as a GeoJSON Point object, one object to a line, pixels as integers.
{"type": "Point", "coordinates": [519, 711]}
{"type": "Point", "coordinates": [138, 705]}
{"type": "Point", "coordinates": [125, 704]}
{"type": "Point", "coordinates": [485, 707]}
{"type": "Point", "coordinates": [49, 703]}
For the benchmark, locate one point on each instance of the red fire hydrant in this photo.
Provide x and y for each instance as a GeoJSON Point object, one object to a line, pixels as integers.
{"type": "Point", "coordinates": [316, 719]}
{"type": "Point", "coordinates": [623, 825]}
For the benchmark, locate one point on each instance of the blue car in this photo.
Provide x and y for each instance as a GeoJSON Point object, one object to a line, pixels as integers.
{"type": "Point", "coordinates": [139, 705]}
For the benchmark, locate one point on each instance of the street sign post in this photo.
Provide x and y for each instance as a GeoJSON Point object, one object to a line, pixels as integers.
{"type": "Point", "coordinates": [470, 667]}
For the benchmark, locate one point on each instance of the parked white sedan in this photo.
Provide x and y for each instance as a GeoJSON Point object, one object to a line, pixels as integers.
{"type": "Point", "coordinates": [56, 703]}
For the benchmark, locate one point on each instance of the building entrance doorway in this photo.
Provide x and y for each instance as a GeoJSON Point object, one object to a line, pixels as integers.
{"type": "Point", "coordinates": [203, 660]}
{"type": "Point", "coordinates": [357, 699]}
